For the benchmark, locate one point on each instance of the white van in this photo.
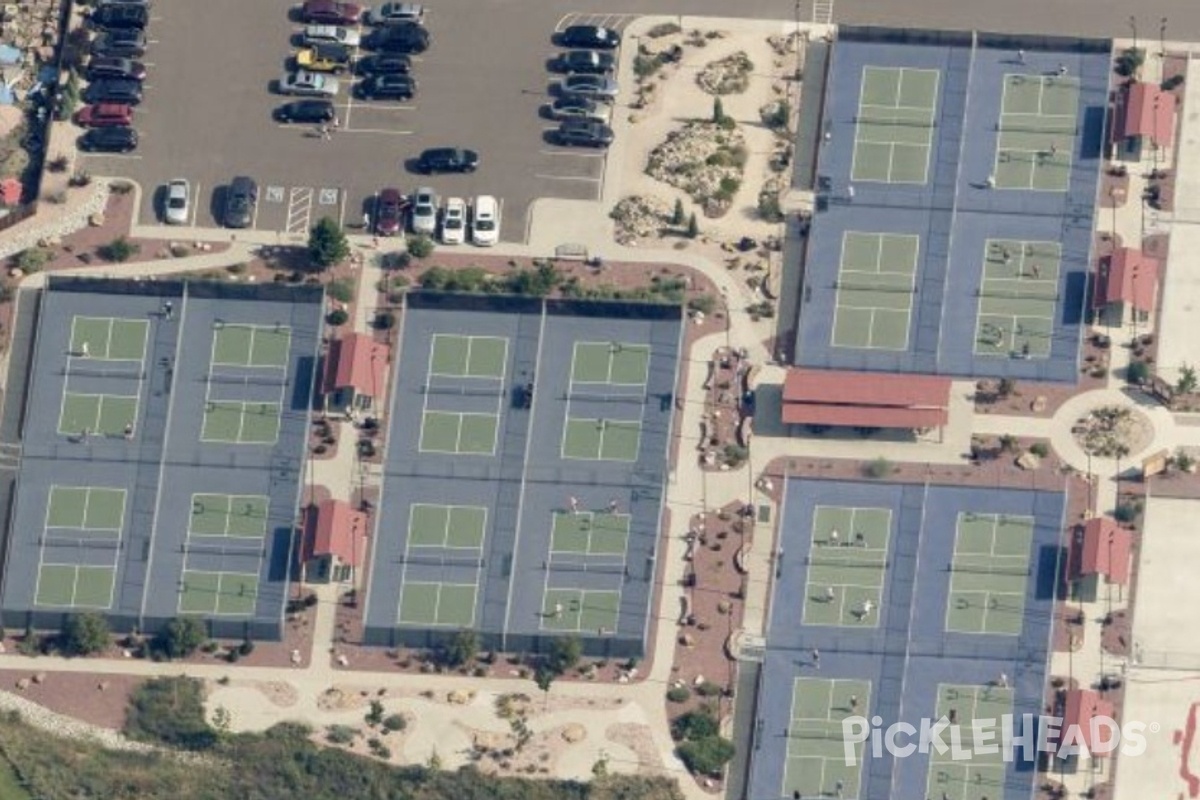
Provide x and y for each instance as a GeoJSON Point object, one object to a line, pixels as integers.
{"type": "Point", "coordinates": [485, 221]}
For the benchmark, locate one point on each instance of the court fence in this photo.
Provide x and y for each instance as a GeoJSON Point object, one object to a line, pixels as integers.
{"type": "Point", "coordinates": [982, 39]}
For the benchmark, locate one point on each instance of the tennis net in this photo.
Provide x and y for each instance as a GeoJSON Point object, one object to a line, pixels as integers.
{"type": "Point", "coordinates": [865, 562]}
{"type": "Point", "coordinates": [1023, 572]}
{"type": "Point", "coordinates": [818, 732]}
{"type": "Point", "coordinates": [225, 549]}
{"type": "Point", "coordinates": [878, 287]}
{"type": "Point", "coordinates": [1013, 294]}
{"type": "Point", "coordinates": [559, 565]}
{"type": "Point", "coordinates": [112, 542]}
{"type": "Point", "coordinates": [464, 389]}
{"type": "Point", "coordinates": [232, 379]}
{"type": "Point", "coordinates": [605, 397]}
{"type": "Point", "coordinates": [896, 121]}
{"type": "Point", "coordinates": [1044, 125]}
{"type": "Point", "coordinates": [474, 562]}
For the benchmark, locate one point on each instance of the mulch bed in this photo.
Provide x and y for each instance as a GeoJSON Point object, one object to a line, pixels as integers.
{"type": "Point", "coordinates": [723, 411]}
{"type": "Point", "coordinates": [1117, 633]}
{"type": "Point", "coordinates": [1029, 398]}
{"type": "Point", "coordinates": [96, 698]}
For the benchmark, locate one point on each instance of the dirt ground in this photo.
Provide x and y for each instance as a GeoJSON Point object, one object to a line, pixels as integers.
{"type": "Point", "coordinates": [97, 698]}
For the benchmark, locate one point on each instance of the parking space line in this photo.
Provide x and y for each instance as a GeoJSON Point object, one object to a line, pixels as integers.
{"type": "Point", "coordinates": [568, 178]}
{"type": "Point", "coordinates": [565, 152]}
{"type": "Point", "coordinates": [195, 203]}
{"type": "Point", "coordinates": [376, 130]}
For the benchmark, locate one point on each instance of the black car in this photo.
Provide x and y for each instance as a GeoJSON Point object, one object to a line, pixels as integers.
{"type": "Point", "coordinates": [587, 62]}
{"type": "Point", "coordinates": [121, 17]}
{"type": "Point", "coordinates": [306, 111]}
{"type": "Point", "coordinates": [99, 68]}
{"type": "Point", "coordinates": [114, 90]}
{"type": "Point", "coordinates": [447, 159]}
{"type": "Point", "coordinates": [585, 133]}
{"type": "Point", "coordinates": [120, 44]}
{"type": "Point", "coordinates": [387, 87]}
{"type": "Point", "coordinates": [408, 38]}
{"type": "Point", "coordinates": [240, 199]}
{"type": "Point", "coordinates": [590, 37]}
{"type": "Point", "coordinates": [109, 140]}
{"type": "Point", "coordinates": [385, 64]}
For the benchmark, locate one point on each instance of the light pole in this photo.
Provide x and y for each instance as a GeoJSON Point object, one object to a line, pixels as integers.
{"type": "Point", "coordinates": [1162, 38]}
{"type": "Point", "coordinates": [1133, 28]}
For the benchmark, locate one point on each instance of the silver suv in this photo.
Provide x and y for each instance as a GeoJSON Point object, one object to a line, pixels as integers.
{"type": "Point", "coordinates": [424, 211]}
{"type": "Point", "coordinates": [395, 14]}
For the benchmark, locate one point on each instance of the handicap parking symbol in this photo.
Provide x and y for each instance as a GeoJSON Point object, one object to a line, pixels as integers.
{"type": "Point", "coordinates": [274, 194]}
{"type": "Point", "coordinates": [328, 197]}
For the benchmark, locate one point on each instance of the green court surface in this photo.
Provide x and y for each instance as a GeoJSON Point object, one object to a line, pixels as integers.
{"type": "Point", "coordinates": [97, 414]}
{"type": "Point", "coordinates": [109, 338]}
{"type": "Point", "coordinates": [816, 757]}
{"type": "Point", "coordinates": [243, 516]}
{"type": "Point", "coordinates": [612, 363]}
{"type": "Point", "coordinates": [75, 586]}
{"type": "Point", "coordinates": [86, 508]}
{"type": "Point", "coordinates": [459, 432]}
{"type": "Point", "coordinates": [575, 610]}
{"type": "Point", "coordinates": [1018, 298]}
{"type": "Point", "coordinates": [847, 564]}
{"type": "Point", "coordinates": [437, 603]}
{"type": "Point", "coordinates": [893, 137]}
{"type": "Point", "coordinates": [1038, 120]}
{"type": "Point", "coordinates": [454, 527]}
{"type": "Point", "coordinates": [601, 439]}
{"type": "Point", "coordinates": [875, 286]}
{"type": "Point", "coordinates": [251, 345]}
{"type": "Point", "coordinates": [218, 593]}
{"type": "Point", "coordinates": [989, 574]}
{"type": "Point", "coordinates": [589, 533]}
{"type": "Point", "coordinates": [458, 356]}
{"type": "Point", "coordinates": [981, 776]}
{"type": "Point", "coordinates": [239, 422]}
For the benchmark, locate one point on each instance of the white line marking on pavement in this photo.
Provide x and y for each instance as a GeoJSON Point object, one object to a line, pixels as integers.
{"type": "Point", "coordinates": [571, 153]}
{"type": "Point", "coordinates": [195, 200]}
{"type": "Point", "coordinates": [376, 130]}
{"type": "Point", "coordinates": [567, 178]}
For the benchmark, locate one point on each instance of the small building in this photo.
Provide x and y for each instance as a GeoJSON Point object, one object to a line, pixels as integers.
{"type": "Point", "coordinates": [1085, 737]}
{"type": "Point", "coordinates": [1102, 555]}
{"type": "Point", "coordinates": [1126, 285]}
{"type": "Point", "coordinates": [832, 398]}
{"type": "Point", "coordinates": [354, 373]}
{"type": "Point", "coordinates": [1144, 114]}
{"type": "Point", "coordinates": [334, 542]}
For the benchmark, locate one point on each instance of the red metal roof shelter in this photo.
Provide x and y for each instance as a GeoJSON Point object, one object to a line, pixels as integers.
{"type": "Point", "coordinates": [865, 399]}
{"type": "Point", "coordinates": [1082, 706]}
{"type": "Point", "coordinates": [1144, 109]}
{"type": "Point", "coordinates": [335, 528]}
{"type": "Point", "coordinates": [1106, 550]}
{"type": "Point", "coordinates": [1131, 277]}
{"type": "Point", "coordinates": [358, 362]}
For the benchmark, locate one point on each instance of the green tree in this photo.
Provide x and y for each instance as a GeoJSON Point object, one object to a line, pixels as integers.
{"type": "Point", "coordinates": [327, 244]}
{"type": "Point", "coordinates": [1137, 372]}
{"type": "Point", "coordinates": [337, 317]}
{"type": "Point", "coordinates": [119, 250]}
{"type": "Point", "coordinates": [375, 714]}
{"type": "Point", "coordinates": [182, 637]}
{"type": "Point", "coordinates": [461, 649]}
{"type": "Point", "coordinates": [170, 711]}
{"type": "Point", "coordinates": [706, 756]}
{"type": "Point", "coordinates": [420, 246]}
{"type": "Point", "coordinates": [1006, 387]}
{"type": "Point", "coordinates": [718, 114]}
{"type": "Point", "coordinates": [341, 290]}
{"type": "Point", "coordinates": [693, 227]}
{"type": "Point", "coordinates": [677, 216]}
{"type": "Point", "coordinates": [84, 634]}
{"type": "Point", "coordinates": [1187, 380]}
{"type": "Point", "coordinates": [565, 652]}
{"type": "Point", "coordinates": [544, 678]}
{"type": "Point", "coordinates": [693, 725]}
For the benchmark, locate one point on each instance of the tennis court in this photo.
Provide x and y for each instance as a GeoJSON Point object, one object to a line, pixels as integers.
{"type": "Point", "coordinates": [589, 533]}
{"type": "Point", "coordinates": [611, 363]}
{"type": "Point", "coordinates": [457, 356]}
{"type": "Point", "coordinates": [241, 422]}
{"type": "Point", "coordinates": [450, 527]}
{"type": "Point", "coordinates": [847, 565]}
{"type": "Point", "coordinates": [251, 345]}
{"type": "Point", "coordinates": [981, 777]}
{"type": "Point", "coordinates": [240, 516]}
{"type": "Point", "coordinates": [90, 508]}
{"type": "Point", "coordinates": [601, 439]}
{"type": "Point", "coordinates": [75, 586]}
{"type": "Point", "coordinates": [1018, 298]}
{"type": "Point", "coordinates": [893, 134]}
{"type": "Point", "coordinates": [218, 593]}
{"type": "Point", "coordinates": [580, 610]}
{"type": "Point", "coordinates": [438, 603]}
{"type": "Point", "coordinates": [1038, 123]}
{"type": "Point", "coordinates": [109, 338]}
{"type": "Point", "coordinates": [97, 414]}
{"type": "Point", "coordinates": [459, 432]}
{"type": "Point", "coordinates": [875, 287]}
{"type": "Point", "coordinates": [990, 573]}
{"type": "Point", "coordinates": [816, 759]}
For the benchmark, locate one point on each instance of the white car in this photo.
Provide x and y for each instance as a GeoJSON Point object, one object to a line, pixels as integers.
{"type": "Point", "coordinates": [308, 84]}
{"type": "Point", "coordinates": [424, 211]}
{"type": "Point", "coordinates": [454, 221]}
{"type": "Point", "coordinates": [315, 34]}
{"type": "Point", "coordinates": [485, 221]}
{"type": "Point", "coordinates": [177, 206]}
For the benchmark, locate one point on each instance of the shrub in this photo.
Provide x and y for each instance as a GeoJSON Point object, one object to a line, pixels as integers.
{"type": "Point", "coordinates": [694, 725]}
{"type": "Point", "coordinates": [337, 317]}
{"type": "Point", "coordinates": [395, 722]}
{"type": "Point", "coordinates": [1187, 380]}
{"type": "Point", "coordinates": [1008, 443]}
{"type": "Point", "coordinates": [736, 455]}
{"type": "Point", "coordinates": [1039, 449]}
{"type": "Point", "coordinates": [768, 206]}
{"type": "Point", "coordinates": [119, 249]}
{"type": "Point", "coordinates": [420, 246]}
{"type": "Point", "coordinates": [706, 756]}
{"type": "Point", "coordinates": [246, 647]}
{"type": "Point", "coordinates": [663, 29]}
{"type": "Point", "coordinates": [1184, 461]}
{"type": "Point", "coordinates": [677, 216]}
{"type": "Point", "coordinates": [565, 652]}
{"type": "Point", "coordinates": [461, 649]}
{"type": "Point", "coordinates": [777, 115]}
{"type": "Point", "coordinates": [33, 259]}
{"type": "Point", "coordinates": [181, 637]}
{"type": "Point", "coordinates": [384, 321]}
{"type": "Point", "coordinates": [84, 634]}
{"type": "Point", "coordinates": [327, 244]}
{"type": "Point", "coordinates": [1137, 372]}
{"type": "Point", "coordinates": [879, 468]}
{"type": "Point", "coordinates": [693, 227]}
{"type": "Point", "coordinates": [1130, 61]}
{"type": "Point", "coordinates": [170, 711]}
{"type": "Point", "coordinates": [58, 164]}
{"type": "Point", "coordinates": [1171, 83]}
{"type": "Point", "coordinates": [341, 290]}
{"type": "Point", "coordinates": [340, 734]}
{"type": "Point", "coordinates": [704, 303]}
{"type": "Point", "coordinates": [678, 694]}
{"type": "Point", "coordinates": [645, 65]}
{"type": "Point", "coordinates": [375, 714]}
{"type": "Point", "coordinates": [1127, 512]}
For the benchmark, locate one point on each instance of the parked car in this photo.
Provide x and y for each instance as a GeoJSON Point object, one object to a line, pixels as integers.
{"type": "Point", "coordinates": [424, 211]}
{"type": "Point", "coordinates": [177, 206]}
{"type": "Point", "coordinates": [387, 87]}
{"type": "Point", "coordinates": [106, 67]}
{"type": "Point", "coordinates": [330, 12]}
{"type": "Point", "coordinates": [447, 159]}
{"type": "Point", "coordinates": [312, 111]}
{"type": "Point", "coordinates": [404, 38]}
{"type": "Point", "coordinates": [454, 221]}
{"type": "Point", "coordinates": [105, 115]}
{"type": "Point", "coordinates": [109, 140]}
{"type": "Point", "coordinates": [336, 34]}
{"type": "Point", "coordinates": [114, 90]}
{"type": "Point", "coordinates": [120, 44]}
{"type": "Point", "coordinates": [121, 17]}
{"type": "Point", "coordinates": [485, 221]}
{"type": "Point", "coordinates": [584, 133]}
{"type": "Point", "coordinates": [308, 84]}
{"type": "Point", "coordinates": [395, 14]}
{"type": "Point", "coordinates": [384, 64]}
{"type": "Point", "coordinates": [574, 106]}
{"type": "Point", "coordinates": [597, 87]}
{"type": "Point", "coordinates": [240, 200]}
{"type": "Point", "coordinates": [590, 37]}
{"type": "Point", "coordinates": [587, 62]}
{"type": "Point", "coordinates": [390, 207]}
{"type": "Point", "coordinates": [326, 57]}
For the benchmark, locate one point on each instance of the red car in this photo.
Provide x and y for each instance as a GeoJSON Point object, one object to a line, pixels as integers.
{"type": "Point", "coordinates": [105, 115]}
{"type": "Point", "coordinates": [330, 12]}
{"type": "Point", "coordinates": [390, 209]}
